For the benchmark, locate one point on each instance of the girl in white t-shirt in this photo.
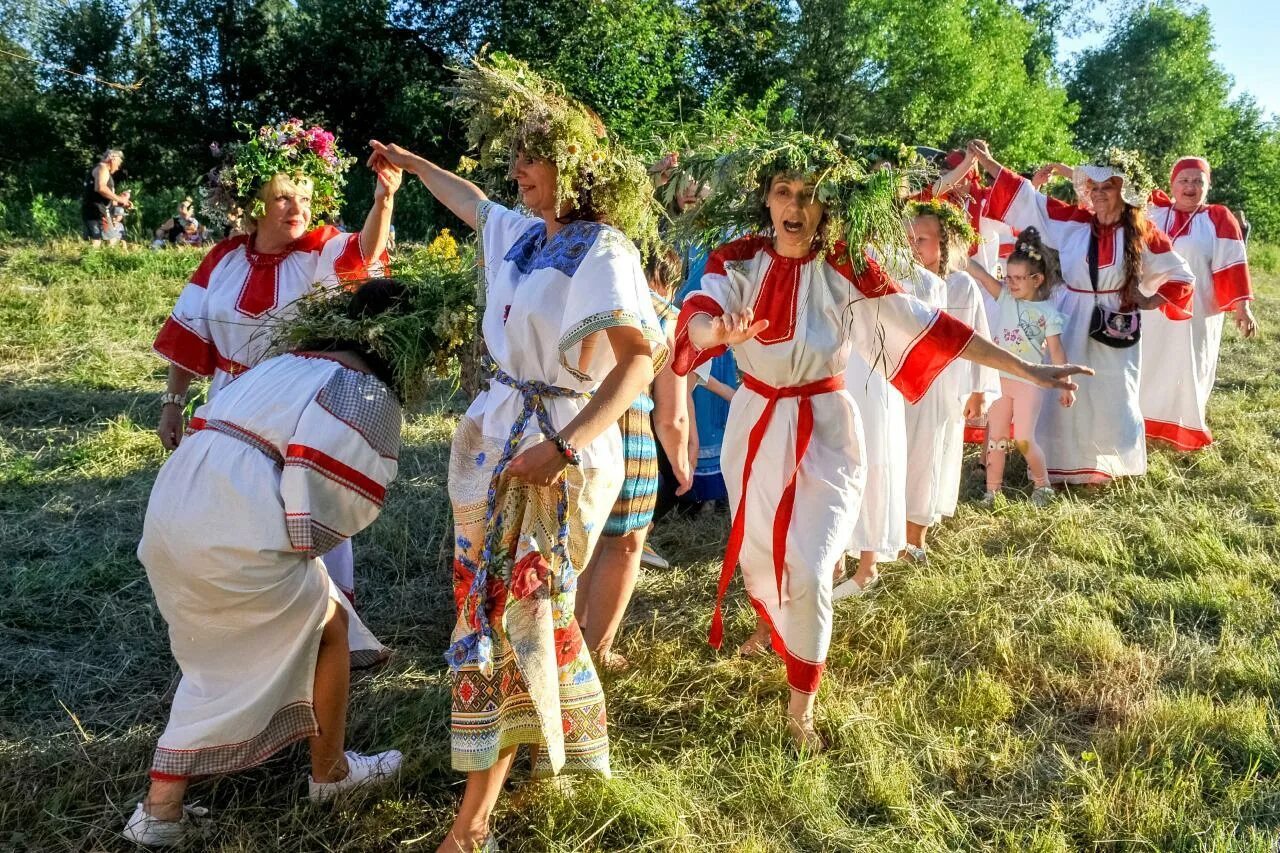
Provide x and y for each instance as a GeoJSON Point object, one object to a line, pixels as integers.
{"type": "Point", "coordinates": [1027, 325]}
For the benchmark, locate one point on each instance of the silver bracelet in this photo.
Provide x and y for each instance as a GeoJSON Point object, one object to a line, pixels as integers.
{"type": "Point", "coordinates": [169, 398]}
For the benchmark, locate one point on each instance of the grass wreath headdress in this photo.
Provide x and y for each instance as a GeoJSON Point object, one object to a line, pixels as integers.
{"type": "Point", "coordinates": [286, 148]}
{"type": "Point", "coordinates": [511, 108]}
{"type": "Point", "coordinates": [863, 203]}
{"type": "Point", "coordinates": [955, 225]}
{"type": "Point", "coordinates": [1136, 182]}
{"type": "Point", "coordinates": [434, 323]}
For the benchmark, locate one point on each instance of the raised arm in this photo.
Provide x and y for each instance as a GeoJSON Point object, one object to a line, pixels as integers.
{"type": "Point", "coordinates": [458, 194]}
{"type": "Point", "coordinates": [377, 225]}
{"type": "Point", "coordinates": [947, 180]}
{"type": "Point", "coordinates": [984, 278]}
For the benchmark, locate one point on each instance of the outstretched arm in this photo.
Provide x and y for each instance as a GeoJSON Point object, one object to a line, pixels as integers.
{"type": "Point", "coordinates": [1057, 376]}
{"type": "Point", "coordinates": [458, 194]}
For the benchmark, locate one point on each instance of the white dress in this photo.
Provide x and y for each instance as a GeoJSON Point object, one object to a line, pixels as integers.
{"type": "Point", "coordinates": [926, 417]}
{"type": "Point", "coordinates": [881, 526]}
{"type": "Point", "coordinates": [1101, 436]}
{"type": "Point", "coordinates": [291, 459]}
{"type": "Point", "coordinates": [1180, 359]}
{"type": "Point", "coordinates": [793, 424]}
{"type": "Point", "coordinates": [221, 324]}
{"type": "Point", "coordinates": [957, 382]}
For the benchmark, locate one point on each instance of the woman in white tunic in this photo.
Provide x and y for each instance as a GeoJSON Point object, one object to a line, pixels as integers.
{"type": "Point", "coordinates": [286, 462]}
{"type": "Point", "coordinates": [1134, 267]}
{"type": "Point", "coordinates": [537, 460]}
{"type": "Point", "coordinates": [222, 322]}
{"type": "Point", "coordinates": [789, 302]}
{"type": "Point", "coordinates": [940, 238]}
{"type": "Point", "coordinates": [1180, 359]}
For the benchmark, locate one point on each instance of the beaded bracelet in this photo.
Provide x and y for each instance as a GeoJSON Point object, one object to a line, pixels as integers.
{"type": "Point", "coordinates": [567, 450]}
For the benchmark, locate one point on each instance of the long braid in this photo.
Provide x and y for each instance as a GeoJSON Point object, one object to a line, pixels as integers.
{"type": "Point", "coordinates": [1134, 222]}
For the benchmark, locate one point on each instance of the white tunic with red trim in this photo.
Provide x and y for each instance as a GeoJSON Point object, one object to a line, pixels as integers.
{"type": "Point", "coordinates": [957, 382]}
{"type": "Point", "coordinates": [793, 452]}
{"type": "Point", "coordinates": [1101, 436]}
{"type": "Point", "coordinates": [1180, 360]}
{"type": "Point", "coordinates": [219, 326]}
{"type": "Point", "coordinates": [289, 460]}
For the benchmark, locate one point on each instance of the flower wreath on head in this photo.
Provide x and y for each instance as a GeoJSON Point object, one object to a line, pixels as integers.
{"type": "Point", "coordinates": [511, 108]}
{"type": "Point", "coordinates": [1121, 163]}
{"type": "Point", "coordinates": [287, 148]}
{"type": "Point", "coordinates": [863, 199]}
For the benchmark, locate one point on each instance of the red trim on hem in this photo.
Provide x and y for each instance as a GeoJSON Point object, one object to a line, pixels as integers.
{"type": "Point", "coordinates": [802, 675]}
{"type": "Point", "coordinates": [344, 474]}
{"type": "Point", "coordinates": [157, 776]}
{"type": "Point", "coordinates": [939, 345]}
{"type": "Point", "coordinates": [180, 345]}
{"type": "Point", "coordinates": [1095, 476]}
{"type": "Point", "coordinates": [227, 365]}
{"type": "Point", "coordinates": [1183, 438]}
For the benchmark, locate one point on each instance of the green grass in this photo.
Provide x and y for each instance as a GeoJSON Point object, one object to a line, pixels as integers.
{"type": "Point", "coordinates": [1101, 675]}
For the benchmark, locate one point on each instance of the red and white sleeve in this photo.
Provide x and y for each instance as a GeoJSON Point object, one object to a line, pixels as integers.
{"type": "Point", "coordinates": [339, 462]}
{"type": "Point", "coordinates": [1229, 265]}
{"type": "Point", "coordinates": [184, 339]}
{"type": "Point", "coordinates": [1165, 272]}
{"type": "Point", "coordinates": [1012, 200]}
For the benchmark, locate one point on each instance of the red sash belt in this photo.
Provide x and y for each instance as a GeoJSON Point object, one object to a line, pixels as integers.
{"type": "Point", "coordinates": [781, 521]}
{"type": "Point", "coordinates": [226, 365]}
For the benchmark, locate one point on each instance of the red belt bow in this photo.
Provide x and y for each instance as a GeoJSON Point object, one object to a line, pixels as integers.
{"type": "Point", "coordinates": [781, 521]}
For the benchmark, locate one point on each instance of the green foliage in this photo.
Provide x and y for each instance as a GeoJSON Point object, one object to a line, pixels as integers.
{"type": "Point", "coordinates": [52, 217]}
{"type": "Point", "coordinates": [421, 340]}
{"type": "Point", "coordinates": [862, 204]}
{"type": "Point", "coordinates": [1245, 157]}
{"type": "Point", "coordinates": [1152, 87]}
{"type": "Point", "coordinates": [909, 69]}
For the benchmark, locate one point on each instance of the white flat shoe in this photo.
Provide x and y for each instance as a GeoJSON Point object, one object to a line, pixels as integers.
{"type": "Point", "coordinates": [362, 771]}
{"type": "Point", "coordinates": [150, 831]}
{"type": "Point", "coordinates": [852, 589]}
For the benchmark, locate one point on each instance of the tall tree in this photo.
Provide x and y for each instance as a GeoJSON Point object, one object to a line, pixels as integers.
{"type": "Point", "coordinates": [928, 71]}
{"type": "Point", "coordinates": [1153, 86]}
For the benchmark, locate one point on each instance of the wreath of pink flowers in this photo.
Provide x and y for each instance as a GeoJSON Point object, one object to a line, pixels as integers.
{"type": "Point", "coordinates": [286, 148]}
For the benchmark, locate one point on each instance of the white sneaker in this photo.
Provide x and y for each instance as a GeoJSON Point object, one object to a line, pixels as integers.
{"type": "Point", "coordinates": [361, 770]}
{"type": "Point", "coordinates": [851, 589]}
{"type": "Point", "coordinates": [150, 831]}
{"type": "Point", "coordinates": [1043, 496]}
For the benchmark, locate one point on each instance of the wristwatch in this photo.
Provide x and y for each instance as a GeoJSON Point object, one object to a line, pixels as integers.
{"type": "Point", "coordinates": [169, 398]}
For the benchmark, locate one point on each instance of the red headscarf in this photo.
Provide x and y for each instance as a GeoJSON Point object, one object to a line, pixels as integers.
{"type": "Point", "coordinates": [1188, 163]}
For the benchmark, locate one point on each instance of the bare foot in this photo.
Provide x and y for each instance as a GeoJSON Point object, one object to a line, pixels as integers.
{"type": "Point", "coordinates": [612, 663]}
{"type": "Point", "coordinates": [806, 737]}
{"type": "Point", "coordinates": [467, 842]}
{"type": "Point", "coordinates": [759, 642]}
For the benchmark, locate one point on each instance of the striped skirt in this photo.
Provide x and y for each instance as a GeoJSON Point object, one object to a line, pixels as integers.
{"type": "Point", "coordinates": [634, 507]}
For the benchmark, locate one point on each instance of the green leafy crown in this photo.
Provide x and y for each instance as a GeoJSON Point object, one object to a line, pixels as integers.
{"type": "Point", "coordinates": [511, 108]}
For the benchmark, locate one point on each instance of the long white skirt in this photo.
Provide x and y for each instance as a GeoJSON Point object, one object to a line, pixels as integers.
{"type": "Point", "coordinates": [828, 492]}
{"type": "Point", "coordinates": [925, 455]}
{"type": "Point", "coordinates": [1179, 366]}
{"type": "Point", "coordinates": [1101, 436]}
{"type": "Point", "coordinates": [245, 613]}
{"type": "Point", "coordinates": [882, 519]}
